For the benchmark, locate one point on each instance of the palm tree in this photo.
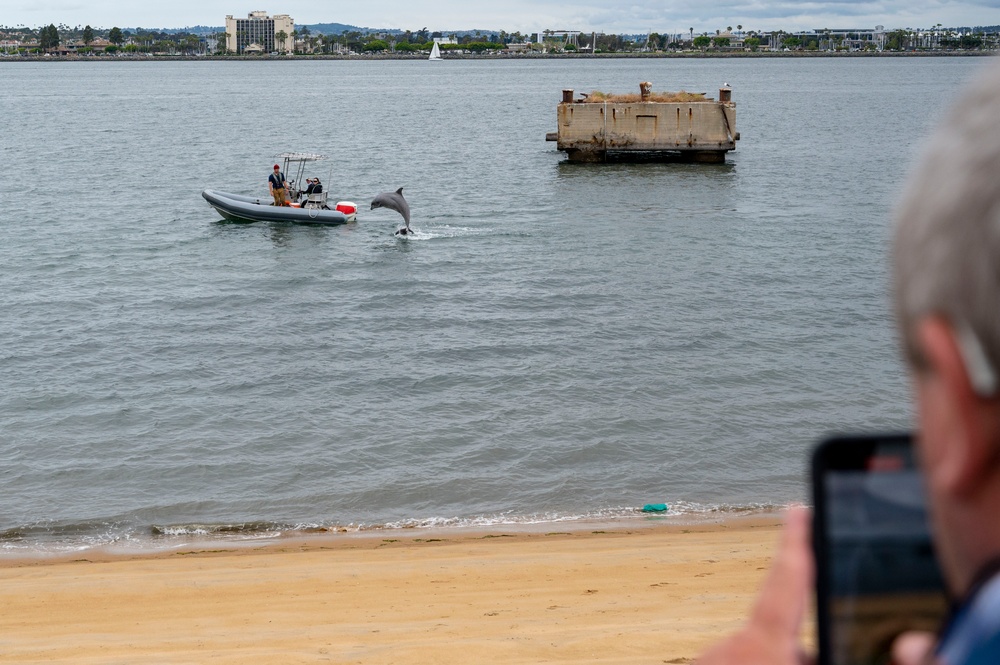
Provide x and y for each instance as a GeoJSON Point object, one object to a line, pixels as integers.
{"type": "Point", "coordinates": [281, 36]}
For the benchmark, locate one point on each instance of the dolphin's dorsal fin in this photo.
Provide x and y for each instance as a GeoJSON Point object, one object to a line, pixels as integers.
{"type": "Point", "coordinates": [399, 191]}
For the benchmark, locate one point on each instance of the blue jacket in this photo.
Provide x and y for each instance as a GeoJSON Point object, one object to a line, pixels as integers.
{"type": "Point", "coordinates": [973, 634]}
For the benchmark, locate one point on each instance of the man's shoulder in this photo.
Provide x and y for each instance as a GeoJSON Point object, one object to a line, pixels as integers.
{"type": "Point", "coordinates": [985, 653]}
{"type": "Point", "coordinates": [974, 636]}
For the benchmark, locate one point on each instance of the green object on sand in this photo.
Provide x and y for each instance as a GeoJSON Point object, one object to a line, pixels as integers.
{"type": "Point", "coordinates": [655, 507]}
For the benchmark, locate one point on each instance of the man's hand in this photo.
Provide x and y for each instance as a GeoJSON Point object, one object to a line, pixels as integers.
{"type": "Point", "coordinates": [771, 636]}
{"type": "Point", "coordinates": [914, 648]}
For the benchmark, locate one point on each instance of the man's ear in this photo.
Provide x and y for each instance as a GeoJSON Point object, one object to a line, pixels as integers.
{"type": "Point", "coordinates": [970, 447]}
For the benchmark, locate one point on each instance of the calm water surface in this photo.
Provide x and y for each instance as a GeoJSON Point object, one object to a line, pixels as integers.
{"type": "Point", "coordinates": [558, 341]}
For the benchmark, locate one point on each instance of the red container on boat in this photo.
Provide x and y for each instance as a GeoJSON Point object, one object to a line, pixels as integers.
{"type": "Point", "coordinates": [347, 207]}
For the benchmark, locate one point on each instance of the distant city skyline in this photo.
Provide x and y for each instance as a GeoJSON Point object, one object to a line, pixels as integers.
{"type": "Point", "coordinates": [518, 15]}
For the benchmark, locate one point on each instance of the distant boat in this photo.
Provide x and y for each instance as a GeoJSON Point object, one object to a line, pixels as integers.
{"type": "Point", "coordinates": [435, 52]}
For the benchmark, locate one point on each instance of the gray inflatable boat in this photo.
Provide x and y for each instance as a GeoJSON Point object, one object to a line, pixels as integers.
{"type": "Point", "coordinates": [239, 208]}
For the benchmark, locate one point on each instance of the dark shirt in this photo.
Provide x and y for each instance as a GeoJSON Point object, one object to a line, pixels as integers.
{"type": "Point", "coordinates": [277, 180]}
{"type": "Point", "coordinates": [314, 188]}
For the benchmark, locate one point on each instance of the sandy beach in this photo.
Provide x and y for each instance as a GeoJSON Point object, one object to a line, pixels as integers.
{"type": "Point", "coordinates": [647, 593]}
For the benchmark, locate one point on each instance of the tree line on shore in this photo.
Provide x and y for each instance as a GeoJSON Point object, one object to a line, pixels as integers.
{"type": "Point", "coordinates": [89, 40]}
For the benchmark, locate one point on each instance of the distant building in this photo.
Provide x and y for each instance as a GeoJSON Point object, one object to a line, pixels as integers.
{"type": "Point", "coordinates": [258, 33]}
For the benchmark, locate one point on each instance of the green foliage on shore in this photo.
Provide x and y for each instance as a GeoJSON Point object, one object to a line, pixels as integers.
{"type": "Point", "coordinates": [376, 46]}
{"type": "Point", "coordinates": [479, 47]}
{"type": "Point", "coordinates": [965, 42]}
{"type": "Point", "coordinates": [48, 38]}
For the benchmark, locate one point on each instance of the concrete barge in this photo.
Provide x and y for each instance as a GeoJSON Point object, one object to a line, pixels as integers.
{"type": "Point", "coordinates": [696, 131]}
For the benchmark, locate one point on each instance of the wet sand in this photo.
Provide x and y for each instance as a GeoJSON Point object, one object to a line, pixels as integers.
{"type": "Point", "coordinates": [644, 593]}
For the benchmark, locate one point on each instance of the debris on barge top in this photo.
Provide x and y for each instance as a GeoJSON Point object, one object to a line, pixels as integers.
{"type": "Point", "coordinates": [631, 98]}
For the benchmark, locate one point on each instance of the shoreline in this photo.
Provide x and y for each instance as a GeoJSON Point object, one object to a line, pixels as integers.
{"type": "Point", "coordinates": [648, 593]}
{"type": "Point", "coordinates": [520, 56]}
{"type": "Point", "coordinates": [255, 537]}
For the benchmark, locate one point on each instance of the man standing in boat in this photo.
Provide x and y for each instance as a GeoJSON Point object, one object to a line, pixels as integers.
{"type": "Point", "coordinates": [279, 188]}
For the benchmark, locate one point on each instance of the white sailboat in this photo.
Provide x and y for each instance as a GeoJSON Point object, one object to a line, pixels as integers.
{"type": "Point", "coordinates": [435, 52]}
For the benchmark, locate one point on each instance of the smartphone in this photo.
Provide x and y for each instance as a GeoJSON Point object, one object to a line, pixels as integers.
{"type": "Point", "coordinates": [876, 573]}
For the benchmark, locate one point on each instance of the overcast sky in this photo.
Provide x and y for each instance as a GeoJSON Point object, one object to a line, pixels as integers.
{"type": "Point", "coordinates": [518, 15]}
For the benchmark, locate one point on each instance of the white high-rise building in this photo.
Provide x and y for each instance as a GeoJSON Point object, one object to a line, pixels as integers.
{"type": "Point", "coordinates": [260, 32]}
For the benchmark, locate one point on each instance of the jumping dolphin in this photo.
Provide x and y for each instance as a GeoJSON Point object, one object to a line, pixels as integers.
{"type": "Point", "coordinates": [394, 201]}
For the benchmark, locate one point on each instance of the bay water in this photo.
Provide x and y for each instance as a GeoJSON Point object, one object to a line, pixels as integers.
{"type": "Point", "coordinates": [557, 341]}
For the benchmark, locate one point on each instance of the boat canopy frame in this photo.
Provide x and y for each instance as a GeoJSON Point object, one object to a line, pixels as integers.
{"type": "Point", "coordinates": [297, 161]}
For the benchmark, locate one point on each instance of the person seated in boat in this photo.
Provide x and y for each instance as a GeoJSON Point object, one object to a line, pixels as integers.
{"type": "Point", "coordinates": [278, 187]}
{"type": "Point", "coordinates": [314, 188]}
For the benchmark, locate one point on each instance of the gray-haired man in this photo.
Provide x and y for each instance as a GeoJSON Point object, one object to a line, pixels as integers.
{"type": "Point", "coordinates": [946, 268]}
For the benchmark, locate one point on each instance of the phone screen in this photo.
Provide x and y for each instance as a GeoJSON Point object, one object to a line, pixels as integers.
{"type": "Point", "coordinates": [877, 575]}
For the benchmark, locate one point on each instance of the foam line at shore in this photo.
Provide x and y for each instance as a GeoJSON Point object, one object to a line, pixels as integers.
{"type": "Point", "coordinates": [119, 538]}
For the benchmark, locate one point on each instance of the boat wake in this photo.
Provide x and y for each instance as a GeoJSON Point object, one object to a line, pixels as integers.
{"type": "Point", "coordinates": [445, 232]}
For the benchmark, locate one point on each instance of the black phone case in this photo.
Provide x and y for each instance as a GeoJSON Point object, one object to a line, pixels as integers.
{"type": "Point", "coordinates": [843, 453]}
